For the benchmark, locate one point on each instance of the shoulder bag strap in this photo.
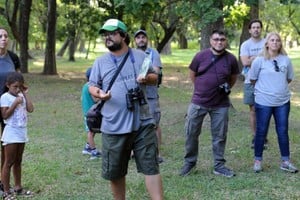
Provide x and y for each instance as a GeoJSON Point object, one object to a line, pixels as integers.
{"type": "Point", "coordinates": [210, 64]}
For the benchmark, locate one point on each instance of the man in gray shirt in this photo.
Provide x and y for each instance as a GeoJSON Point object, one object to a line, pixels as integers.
{"type": "Point", "coordinates": [248, 52]}
{"type": "Point", "coordinates": [127, 123]}
{"type": "Point", "coordinates": [141, 42]}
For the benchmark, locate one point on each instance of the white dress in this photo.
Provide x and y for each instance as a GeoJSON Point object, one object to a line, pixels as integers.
{"type": "Point", "coordinates": [15, 130]}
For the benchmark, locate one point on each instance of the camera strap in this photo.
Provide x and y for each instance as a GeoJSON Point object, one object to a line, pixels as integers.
{"type": "Point", "coordinates": [214, 60]}
{"type": "Point", "coordinates": [101, 103]}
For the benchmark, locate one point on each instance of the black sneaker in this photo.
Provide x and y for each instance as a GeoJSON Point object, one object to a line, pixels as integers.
{"type": "Point", "coordinates": [186, 169]}
{"type": "Point", "coordinates": [224, 171]}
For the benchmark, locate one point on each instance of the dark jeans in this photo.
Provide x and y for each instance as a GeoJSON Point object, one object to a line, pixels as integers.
{"type": "Point", "coordinates": [281, 117]}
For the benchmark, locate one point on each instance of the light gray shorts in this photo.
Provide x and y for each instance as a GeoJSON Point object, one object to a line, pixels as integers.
{"type": "Point", "coordinates": [249, 94]}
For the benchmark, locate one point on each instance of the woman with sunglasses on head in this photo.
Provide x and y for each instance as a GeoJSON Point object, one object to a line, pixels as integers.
{"type": "Point", "coordinates": [271, 72]}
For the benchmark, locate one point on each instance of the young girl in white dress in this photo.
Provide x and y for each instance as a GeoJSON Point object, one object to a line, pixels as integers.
{"type": "Point", "coordinates": [14, 107]}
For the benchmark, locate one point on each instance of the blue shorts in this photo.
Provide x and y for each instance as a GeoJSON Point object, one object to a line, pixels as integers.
{"type": "Point", "coordinates": [249, 94]}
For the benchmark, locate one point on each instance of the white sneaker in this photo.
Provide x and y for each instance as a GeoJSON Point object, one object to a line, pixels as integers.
{"type": "Point", "coordinates": [257, 166]}
{"type": "Point", "coordinates": [288, 166]}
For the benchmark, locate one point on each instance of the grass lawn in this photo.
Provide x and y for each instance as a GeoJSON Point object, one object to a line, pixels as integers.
{"type": "Point", "coordinates": [54, 167]}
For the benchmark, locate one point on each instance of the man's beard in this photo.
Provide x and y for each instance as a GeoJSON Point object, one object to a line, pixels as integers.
{"type": "Point", "coordinates": [218, 51]}
{"type": "Point", "coordinates": [142, 46]}
{"type": "Point", "coordinates": [114, 47]}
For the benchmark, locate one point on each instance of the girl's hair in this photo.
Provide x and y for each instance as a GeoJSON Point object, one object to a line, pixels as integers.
{"type": "Point", "coordinates": [2, 28]}
{"type": "Point", "coordinates": [13, 77]}
{"type": "Point", "coordinates": [265, 53]}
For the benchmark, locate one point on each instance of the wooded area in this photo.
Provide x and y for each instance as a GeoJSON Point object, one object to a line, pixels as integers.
{"type": "Point", "coordinates": [75, 23]}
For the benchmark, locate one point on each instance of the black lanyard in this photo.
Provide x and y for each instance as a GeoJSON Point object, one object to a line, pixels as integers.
{"type": "Point", "coordinates": [132, 61]}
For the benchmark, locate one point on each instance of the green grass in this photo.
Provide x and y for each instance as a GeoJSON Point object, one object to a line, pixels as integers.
{"type": "Point", "coordinates": [54, 168]}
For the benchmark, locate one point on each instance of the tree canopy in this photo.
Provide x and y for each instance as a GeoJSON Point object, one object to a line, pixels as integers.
{"type": "Point", "coordinates": [78, 21]}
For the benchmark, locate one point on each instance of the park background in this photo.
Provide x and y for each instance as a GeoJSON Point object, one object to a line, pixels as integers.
{"type": "Point", "coordinates": [53, 166]}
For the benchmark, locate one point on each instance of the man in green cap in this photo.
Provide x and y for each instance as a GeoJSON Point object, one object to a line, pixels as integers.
{"type": "Point", "coordinates": [127, 124]}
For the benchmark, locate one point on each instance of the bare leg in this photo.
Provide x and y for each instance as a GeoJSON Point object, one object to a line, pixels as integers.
{"type": "Point", "coordinates": [118, 188]}
{"type": "Point", "coordinates": [91, 141]}
{"type": "Point", "coordinates": [154, 186]}
{"type": "Point", "coordinates": [10, 155]}
{"type": "Point", "coordinates": [17, 167]}
{"type": "Point", "coordinates": [2, 156]}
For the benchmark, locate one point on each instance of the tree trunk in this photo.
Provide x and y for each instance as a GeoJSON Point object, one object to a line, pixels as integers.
{"type": "Point", "coordinates": [168, 35]}
{"type": "Point", "coordinates": [12, 18]}
{"type": "Point", "coordinates": [25, 8]}
{"type": "Point", "coordinates": [72, 47]}
{"type": "Point", "coordinates": [88, 50]}
{"type": "Point", "coordinates": [64, 47]}
{"type": "Point", "coordinates": [50, 60]}
{"type": "Point", "coordinates": [169, 28]}
{"type": "Point", "coordinates": [208, 29]}
{"type": "Point", "coordinates": [253, 15]}
{"type": "Point", "coordinates": [82, 46]}
{"type": "Point", "coordinates": [245, 31]}
{"type": "Point", "coordinates": [167, 48]}
{"type": "Point", "coordinates": [183, 44]}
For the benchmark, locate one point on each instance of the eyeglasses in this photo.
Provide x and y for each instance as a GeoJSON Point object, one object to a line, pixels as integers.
{"type": "Point", "coordinates": [276, 65]}
{"type": "Point", "coordinates": [109, 34]}
{"type": "Point", "coordinates": [219, 39]}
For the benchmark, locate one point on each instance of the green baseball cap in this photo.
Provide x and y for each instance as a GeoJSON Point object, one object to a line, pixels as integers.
{"type": "Point", "coordinates": [112, 25]}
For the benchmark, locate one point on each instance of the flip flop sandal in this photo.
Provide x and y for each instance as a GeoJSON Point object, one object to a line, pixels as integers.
{"type": "Point", "coordinates": [8, 196]}
{"type": "Point", "coordinates": [23, 192]}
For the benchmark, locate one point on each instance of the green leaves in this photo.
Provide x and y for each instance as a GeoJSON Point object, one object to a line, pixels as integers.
{"type": "Point", "coordinates": [286, 2]}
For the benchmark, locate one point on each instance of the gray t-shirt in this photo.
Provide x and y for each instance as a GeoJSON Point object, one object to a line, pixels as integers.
{"type": "Point", "coordinates": [271, 87]}
{"type": "Point", "coordinates": [251, 48]}
{"type": "Point", "coordinates": [6, 66]}
{"type": "Point", "coordinates": [117, 119]}
{"type": "Point", "coordinates": [152, 90]}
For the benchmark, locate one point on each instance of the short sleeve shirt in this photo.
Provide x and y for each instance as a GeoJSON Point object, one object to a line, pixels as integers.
{"type": "Point", "coordinates": [19, 116]}
{"type": "Point", "coordinates": [251, 48]}
{"type": "Point", "coordinates": [15, 130]}
{"type": "Point", "coordinates": [152, 90]}
{"type": "Point", "coordinates": [206, 87]}
{"type": "Point", "coordinates": [271, 87]}
{"type": "Point", "coordinates": [117, 119]}
{"type": "Point", "coordinates": [86, 99]}
{"type": "Point", "coordinates": [7, 66]}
